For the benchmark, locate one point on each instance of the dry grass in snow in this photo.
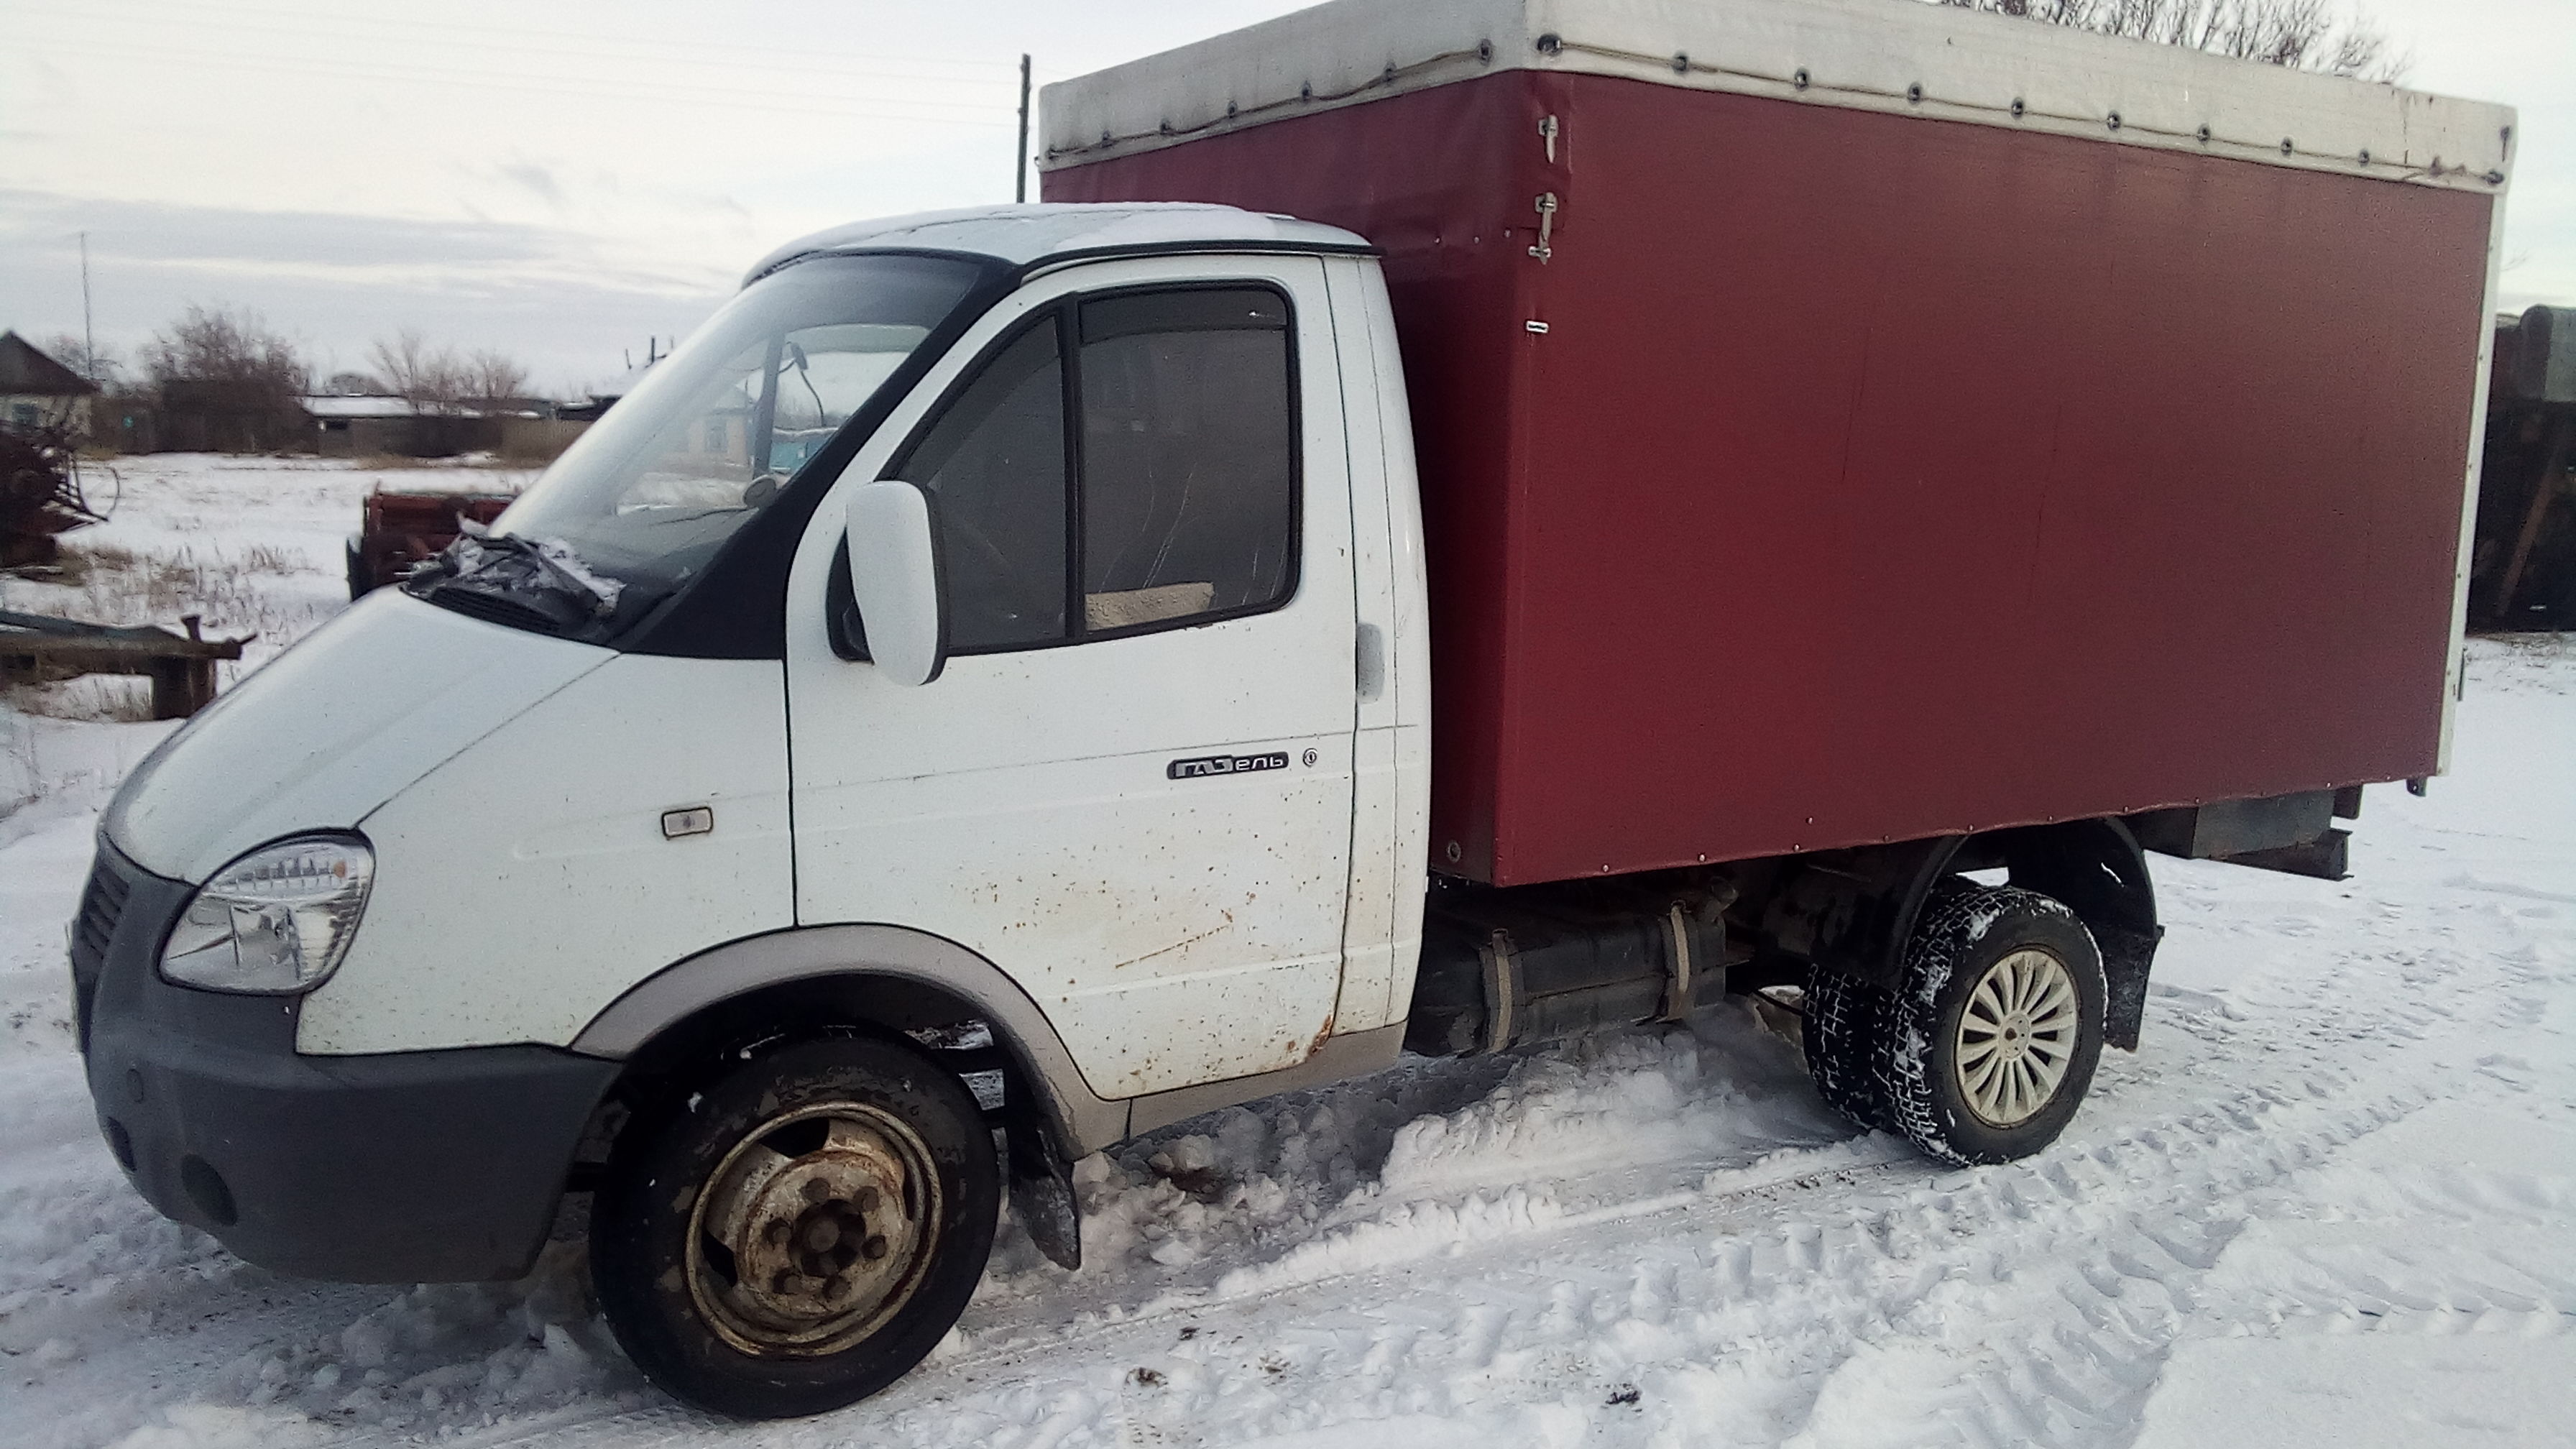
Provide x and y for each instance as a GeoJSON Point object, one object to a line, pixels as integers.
{"type": "Point", "coordinates": [252, 546]}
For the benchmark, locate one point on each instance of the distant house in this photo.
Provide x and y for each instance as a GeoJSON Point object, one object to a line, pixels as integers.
{"type": "Point", "coordinates": [359, 427]}
{"type": "Point", "coordinates": [36, 391]}
{"type": "Point", "coordinates": [722, 430]}
{"type": "Point", "coordinates": [523, 430]}
{"type": "Point", "coordinates": [604, 398]}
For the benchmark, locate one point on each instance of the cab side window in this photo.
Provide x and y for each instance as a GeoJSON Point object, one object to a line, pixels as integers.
{"type": "Point", "coordinates": [1173, 501]}
{"type": "Point", "coordinates": [1188, 456]}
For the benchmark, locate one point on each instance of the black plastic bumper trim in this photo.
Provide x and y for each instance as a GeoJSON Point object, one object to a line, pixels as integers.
{"type": "Point", "coordinates": [437, 1166]}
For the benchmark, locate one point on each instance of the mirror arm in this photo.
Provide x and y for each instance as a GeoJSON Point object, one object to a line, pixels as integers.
{"type": "Point", "coordinates": [842, 627]}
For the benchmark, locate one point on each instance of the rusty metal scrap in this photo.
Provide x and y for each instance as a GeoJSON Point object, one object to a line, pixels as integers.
{"type": "Point", "coordinates": [40, 493]}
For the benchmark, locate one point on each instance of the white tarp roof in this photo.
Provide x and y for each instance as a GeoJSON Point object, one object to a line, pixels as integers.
{"type": "Point", "coordinates": [1882, 55]}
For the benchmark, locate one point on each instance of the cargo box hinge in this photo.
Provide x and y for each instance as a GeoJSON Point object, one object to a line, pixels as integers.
{"type": "Point", "coordinates": [1546, 224]}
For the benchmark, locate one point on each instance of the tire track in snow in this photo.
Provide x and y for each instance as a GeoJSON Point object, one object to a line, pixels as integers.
{"type": "Point", "coordinates": [1909, 1277]}
{"type": "Point", "coordinates": [1001, 1345]}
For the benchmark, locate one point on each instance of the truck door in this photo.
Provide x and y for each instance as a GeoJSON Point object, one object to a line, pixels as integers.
{"type": "Point", "coordinates": [1131, 787]}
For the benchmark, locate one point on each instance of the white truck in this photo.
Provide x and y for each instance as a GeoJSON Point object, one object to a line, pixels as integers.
{"type": "Point", "coordinates": [975, 702]}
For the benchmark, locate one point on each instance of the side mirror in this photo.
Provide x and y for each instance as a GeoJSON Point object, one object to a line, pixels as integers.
{"type": "Point", "coordinates": [897, 579]}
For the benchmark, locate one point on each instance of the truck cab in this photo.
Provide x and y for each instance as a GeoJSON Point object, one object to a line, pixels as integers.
{"type": "Point", "coordinates": [979, 681]}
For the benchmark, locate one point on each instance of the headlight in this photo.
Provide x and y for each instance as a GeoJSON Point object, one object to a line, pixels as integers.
{"type": "Point", "coordinates": [275, 922]}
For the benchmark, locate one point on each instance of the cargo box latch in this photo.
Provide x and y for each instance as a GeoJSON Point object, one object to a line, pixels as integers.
{"type": "Point", "coordinates": [1546, 223]}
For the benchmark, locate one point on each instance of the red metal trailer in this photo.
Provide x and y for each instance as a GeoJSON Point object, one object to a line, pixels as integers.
{"type": "Point", "coordinates": [397, 531]}
{"type": "Point", "coordinates": [1845, 421]}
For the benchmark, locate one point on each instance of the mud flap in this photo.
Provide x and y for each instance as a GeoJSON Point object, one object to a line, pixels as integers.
{"type": "Point", "coordinates": [1042, 1197]}
{"type": "Point", "coordinates": [2127, 955]}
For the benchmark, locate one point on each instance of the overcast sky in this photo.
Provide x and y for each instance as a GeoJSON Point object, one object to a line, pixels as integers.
{"type": "Point", "coordinates": [564, 178]}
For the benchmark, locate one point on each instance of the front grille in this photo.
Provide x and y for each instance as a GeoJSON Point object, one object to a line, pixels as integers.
{"type": "Point", "coordinates": [102, 903]}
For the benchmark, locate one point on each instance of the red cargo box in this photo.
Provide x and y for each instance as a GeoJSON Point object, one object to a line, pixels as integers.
{"type": "Point", "coordinates": [1853, 420]}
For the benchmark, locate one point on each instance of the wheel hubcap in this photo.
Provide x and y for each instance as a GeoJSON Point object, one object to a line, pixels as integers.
{"type": "Point", "coordinates": [813, 1231]}
{"type": "Point", "coordinates": [2016, 1037]}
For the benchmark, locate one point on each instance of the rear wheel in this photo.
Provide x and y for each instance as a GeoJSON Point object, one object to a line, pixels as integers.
{"type": "Point", "coordinates": [1839, 1031]}
{"type": "Point", "coordinates": [797, 1232]}
{"type": "Point", "coordinates": [1991, 1037]}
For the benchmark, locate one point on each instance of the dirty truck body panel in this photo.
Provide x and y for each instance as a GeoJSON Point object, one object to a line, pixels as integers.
{"type": "Point", "coordinates": [1179, 922]}
{"type": "Point", "coordinates": [1845, 479]}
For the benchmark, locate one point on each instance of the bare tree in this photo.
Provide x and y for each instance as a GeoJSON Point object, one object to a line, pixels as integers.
{"type": "Point", "coordinates": [437, 379]}
{"type": "Point", "coordinates": [2297, 34]}
{"type": "Point", "coordinates": [352, 384]}
{"type": "Point", "coordinates": [430, 378]}
{"type": "Point", "coordinates": [493, 376]}
{"type": "Point", "coordinates": [226, 383]}
{"type": "Point", "coordinates": [103, 367]}
{"type": "Point", "coordinates": [223, 346]}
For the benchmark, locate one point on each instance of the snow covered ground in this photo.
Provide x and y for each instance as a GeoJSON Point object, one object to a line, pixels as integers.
{"type": "Point", "coordinates": [2332, 1200]}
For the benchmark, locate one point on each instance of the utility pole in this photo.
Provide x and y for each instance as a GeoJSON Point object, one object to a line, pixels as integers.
{"type": "Point", "coordinates": [89, 338]}
{"type": "Point", "coordinates": [1020, 171]}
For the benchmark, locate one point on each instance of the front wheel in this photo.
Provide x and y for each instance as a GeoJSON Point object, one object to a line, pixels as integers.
{"type": "Point", "coordinates": [797, 1232]}
{"type": "Point", "coordinates": [1990, 1039]}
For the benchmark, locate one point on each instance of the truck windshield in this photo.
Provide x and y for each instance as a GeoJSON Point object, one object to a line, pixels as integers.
{"type": "Point", "coordinates": [644, 499]}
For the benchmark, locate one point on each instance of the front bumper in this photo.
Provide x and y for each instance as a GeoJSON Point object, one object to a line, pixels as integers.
{"type": "Point", "coordinates": [441, 1166]}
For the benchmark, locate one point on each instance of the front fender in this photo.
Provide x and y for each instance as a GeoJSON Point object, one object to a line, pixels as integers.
{"type": "Point", "coordinates": [1083, 1122]}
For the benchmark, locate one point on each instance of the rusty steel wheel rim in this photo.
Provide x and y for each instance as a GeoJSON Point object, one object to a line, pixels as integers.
{"type": "Point", "coordinates": [2016, 1037]}
{"type": "Point", "coordinates": [814, 1231]}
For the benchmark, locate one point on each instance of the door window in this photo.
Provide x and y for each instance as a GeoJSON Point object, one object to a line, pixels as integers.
{"type": "Point", "coordinates": [1184, 480]}
{"type": "Point", "coordinates": [1188, 456]}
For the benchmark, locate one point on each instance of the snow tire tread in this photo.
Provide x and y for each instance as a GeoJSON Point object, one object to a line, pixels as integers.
{"type": "Point", "coordinates": [1953, 941]}
{"type": "Point", "coordinates": [1839, 1033]}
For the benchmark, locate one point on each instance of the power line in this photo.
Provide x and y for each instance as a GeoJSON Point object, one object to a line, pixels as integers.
{"type": "Point", "coordinates": [342, 66]}
{"type": "Point", "coordinates": [694, 54]}
{"type": "Point", "coordinates": [775, 103]}
{"type": "Point", "coordinates": [693, 51]}
{"type": "Point", "coordinates": [920, 109]}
